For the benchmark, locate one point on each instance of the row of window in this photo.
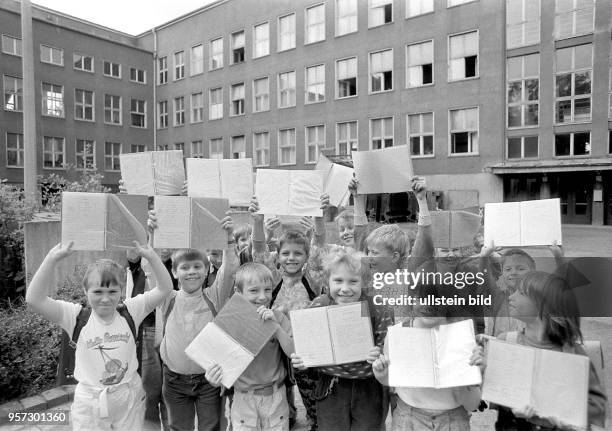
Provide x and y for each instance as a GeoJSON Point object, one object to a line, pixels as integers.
{"type": "Point", "coordinates": [85, 63]}
{"type": "Point", "coordinates": [84, 103]}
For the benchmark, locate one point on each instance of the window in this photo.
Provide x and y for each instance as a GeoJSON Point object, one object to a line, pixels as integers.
{"type": "Point", "coordinates": [286, 32]}
{"type": "Point", "coordinates": [464, 131]}
{"type": "Point", "coordinates": [162, 70]}
{"type": "Point", "coordinates": [381, 133]}
{"type": "Point", "coordinates": [380, 12]}
{"type": "Point", "coordinates": [51, 55]}
{"type": "Point", "coordinates": [346, 77]}
{"type": "Point", "coordinates": [522, 23]}
{"type": "Point", "coordinates": [463, 56]}
{"type": "Point", "coordinates": [215, 148]}
{"type": "Point", "coordinates": [215, 104]}
{"type": "Point", "coordinates": [238, 147]}
{"type": "Point", "coordinates": [163, 147]}
{"type": "Point", "coordinates": [421, 134]}
{"type": "Point", "coordinates": [419, 64]}
{"type": "Point", "coordinates": [138, 116]}
{"type": "Point", "coordinates": [418, 7]}
{"type": "Point", "coordinates": [261, 94]}
{"type": "Point", "coordinates": [237, 40]}
{"type": "Point", "coordinates": [112, 69]}
{"type": "Point", "coordinates": [138, 75]}
{"type": "Point", "coordinates": [197, 60]}
{"type": "Point", "coordinates": [573, 84]}
{"type": "Point", "coordinates": [11, 45]}
{"type": "Point", "coordinates": [179, 146]}
{"type": "Point", "coordinates": [458, 2]}
{"type": "Point", "coordinates": [53, 152]}
{"type": "Point", "coordinates": [523, 90]}
{"type": "Point", "coordinates": [286, 147]}
{"type": "Point", "coordinates": [573, 18]}
{"type": "Point", "coordinates": [315, 23]}
{"type": "Point", "coordinates": [346, 17]}
{"type": "Point", "coordinates": [14, 150]}
{"type": "Point", "coordinates": [112, 109]}
{"type": "Point", "coordinates": [179, 65]}
{"type": "Point", "coordinates": [179, 111]}
{"type": "Point", "coordinates": [261, 40]}
{"type": "Point", "coordinates": [52, 100]}
{"type": "Point", "coordinates": [197, 107]}
{"type": "Point", "coordinates": [346, 138]}
{"type": "Point", "coordinates": [162, 114]}
{"type": "Point", "coordinates": [381, 71]}
{"type": "Point", "coordinates": [261, 148]}
{"type": "Point", "coordinates": [216, 54]}
{"type": "Point", "coordinates": [197, 149]}
{"type": "Point", "coordinates": [315, 142]}
{"type": "Point", "coordinates": [315, 84]}
{"type": "Point", "coordinates": [83, 62]}
{"type": "Point", "coordinates": [85, 154]}
{"type": "Point", "coordinates": [522, 147]}
{"type": "Point", "coordinates": [237, 94]}
{"type": "Point", "coordinates": [13, 93]}
{"type": "Point", "coordinates": [111, 156]}
{"type": "Point", "coordinates": [138, 148]}
{"type": "Point", "coordinates": [83, 105]}
{"type": "Point", "coordinates": [572, 144]}
{"type": "Point", "coordinates": [286, 89]}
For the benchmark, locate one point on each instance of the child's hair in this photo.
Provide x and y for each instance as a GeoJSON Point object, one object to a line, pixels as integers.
{"type": "Point", "coordinates": [518, 252]}
{"type": "Point", "coordinates": [188, 254]}
{"type": "Point", "coordinates": [338, 256]}
{"type": "Point", "coordinates": [556, 304]}
{"type": "Point", "coordinates": [242, 230]}
{"type": "Point", "coordinates": [346, 215]}
{"type": "Point", "coordinates": [252, 270]}
{"type": "Point", "coordinates": [391, 237]}
{"type": "Point", "coordinates": [294, 237]}
{"type": "Point", "coordinates": [110, 273]}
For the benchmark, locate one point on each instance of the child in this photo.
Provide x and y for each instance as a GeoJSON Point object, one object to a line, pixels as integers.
{"type": "Point", "coordinates": [429, 408]}
{"type": "Point", "coordinates": [242, 236]}
{"type": "Point", "coordinates": [215, 258]}
{"type": "Point", "coordinates": [547, 306]}
{"type": "Point", "coordinates": [348, 395]}
{"type": "Point", "coordinates": [260, 400]}
{"type": "Point", "coordinates": [345, 221]}
{"type": "Point", "coordinates": [109, 393]}
{"type": "Point", "coordinates": [185, 388]}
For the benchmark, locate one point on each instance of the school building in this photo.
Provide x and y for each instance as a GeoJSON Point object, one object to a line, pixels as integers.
{"type": "Point", "coordinates": [496, 100]}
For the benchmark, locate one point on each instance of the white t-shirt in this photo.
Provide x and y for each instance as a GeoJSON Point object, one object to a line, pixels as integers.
{"type": "Point", "coordinates": [106, 352]}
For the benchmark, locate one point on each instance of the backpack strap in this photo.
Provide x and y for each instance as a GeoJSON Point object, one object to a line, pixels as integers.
{"type": "Point", "coordinates": [210, 304]}
{"type": "Point", "coordinates": [311, 294]}
{"type": "Point", "coordinates": [81, 321]}
{"type": "Point", "coordinates": [275, 292]}
{"type": "Point", "coordinates": [124, 312]}
{"type": "Point", "coordinates": [167, 314]}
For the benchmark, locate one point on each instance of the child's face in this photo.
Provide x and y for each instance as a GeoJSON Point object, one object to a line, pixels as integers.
{"type": "Point", "coordinates": [514, 269]}
{"type": "Point", "coordinates": [521, 307]}
{"type": "Point", "coordinates": [243, 242]}
{"type": "Point", "coordinates": [449, 254]}
{"type": "Point", "coordinates": [190, 275]}
{"type": "Point", "coordinates": [346, 230]}
{"type": "Point", "coordinates": [103, 300]}
{"type": "Point", "coordinates": [292, 258]}
{"type": "Point", "coordinates": [344, 285]}
{"type": "Point", "coordinates": [257, 292]}
{"type": "Point", "coordinates": [215, 257]}
{"type": "Point", "coordinates": [382, 259]}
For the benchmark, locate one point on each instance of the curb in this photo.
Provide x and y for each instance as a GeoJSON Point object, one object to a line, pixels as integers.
{"type": "Point", "coordinates": [43, 401]}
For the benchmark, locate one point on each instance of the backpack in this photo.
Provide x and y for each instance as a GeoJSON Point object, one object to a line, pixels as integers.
{"type": "Point", "coordinates": [65, 366]}
{"type": "Point", "coordinates": [311, 294]}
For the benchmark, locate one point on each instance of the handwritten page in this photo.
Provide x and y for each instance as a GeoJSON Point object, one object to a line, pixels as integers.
{"type": "Point", "coordinates": [388, 170]}
{"type": "Point", "coordinates": [214, 346]}
{"type": "Point", "coordinates": [122, 225]}
{"type": "Point", "coordinates": [221, 178]}
{"type": "Point", "coordinates": [137, 173]}
{"type": "Point", "coordinates": [203, 179]}
{"type": "Point", "coordinates": [285, 192]}
{"type": "Point", "coordinates": [311, 336]}
{"type": "Point", "coordinates": [336, 179]}
{"type": "Point", "coordinates": [410, 357]}
{"type": "Point", "coordinates": [454, 344]}
{"type": "Point", "coordinates": [84, 220]}
{"type": "Point", "coordinates": [169, 172]}
{"type": "Point", "coordinates": [272, 190]}
{"type": "Point", "coordinates": [502, 224]}
{"type": "Point", "coordinates": [173, 222]}
{"type": "Point", "coordinates": [206, 229]}
{"type": "Point", "coordinates": [351, 332]}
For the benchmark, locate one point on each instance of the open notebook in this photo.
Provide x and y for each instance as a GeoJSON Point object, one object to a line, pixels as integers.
{"type": "Point", "coordinates": [221, 178]}
{"type": "Point", "coordinates": [388, 170]}
{"type": "Point", "coordinates": [232, 340]}
{"type": "Point", "coordinates": [336, 179]}
{"type": "Point", "coordinates": [432, 357]}
{"type": "Point", "coordinates": [451, 229]}
{"type": "Point", "coordinates": [337, 334]}
{"type": "Point", "coordinates": [153, 173]}
{"type": "Point", "coordinates": [555, 384]}
{"type": "Point", "coordinates": [285, 192]}
{"type": "Point", "coordinates": [102, 221]}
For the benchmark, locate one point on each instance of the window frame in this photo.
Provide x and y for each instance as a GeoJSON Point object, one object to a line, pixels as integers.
{"type": "Point", "coordinates": [371, 75]}
{"type": "Point", "coordinates": [523, 25]}
{"type": "Point", "coordinates": [112, 156]}
{"type": "Point", "coordinates": [196, 63]}
{"type": "Point", "coordinates": [292, 35]}
{"type": "Point", "coordinates": [308, 25]}
{"type": "Point", "coordinates": [110, 65]}
{"type": "Point", "coordinates": [318, 147]}
{"type": "Point", "coordinates": [234, 47]}
{"type": "Point", "coordinates": [293, 160]}
{"type": "Point", "coordinates": [288, 89]}
{"type": "Point", "coordinates": [523, 103]}
{"type": "Point", "coordinates": [162, 72]}
{"type": "Point", "coordinates": [257, 42]}
{"type": "Point", "coordinates": [179, 116]}
{"type": "Point", "coordinates": [19, 150]}
{"type": "Point", "coordinates": [433, 70]}
{"type": "Point", "coordinates": [17, 48]}
{"type": "Point", "coordinates": [137, 112]}
{"type": "Point", "coordinates": [112, 109]}
{"type": "Point", "coordinates": [471, 143]}
{"type": "Point", "coordinates": [162, 117]}
{"type": "Point", "coordinates": [336, 83]}
{"type": "Point", "coordinates": [192, 149]}
{"type": "Point", "coordinates": [18, 97]}
{"type": "Point", "coordinates": [433, 8]}
{"type": "Point", "coordinates": [421, 135]}
{"type": "Point", "coordinates": [573, 97]}
{"type": "Point", "coordinates": [137, 72]}
{"type": "Point", "coordinates": [448, 55]}
{"type": "Point", "coordinates": [81, 59]}
{"type": "Point", "coordinates": [218, 140]}
{"type": "Point", "coordinates": [349, 146]}
{"type": "Point", "coordinates": [53, 153]}
{"type": "Point", "coordinates": [85, 155]}
{"type": "Point", "coordinates": [370, 9]}
{"type": "Point", "coordinates": [51, 61]}
{"type": "Point", "coordinates": [178, 62]}
{"type": "Point", "coordinates": [522, 138]}
{"type": "Point", "coordinates": [236, 103]}
{"type": "Point", "coordinates": [572, 146]}
{"type": "Point", "coordinates": [196, 111]}
{"type": "Point", "coordinates": [256, 95]}
{"type": "Point", "coordinates": [257, 150]}
{"type": "Point", "coordinates": [308, 85]}
{"type": "Point", "coordinates": [337, 18]}
{"type": "Point", "coordinates": [213, 56]}
{"type": "Point", "coordinates": [210, 104]}
{"type": "Point", "coordinates": [82, 105]}
{"type": "Point", "coordinates": [574, 12]}
{"type": "Point", "coordinates": [44, 111]}
{"type": "Point", "coordinates": [384, 136]}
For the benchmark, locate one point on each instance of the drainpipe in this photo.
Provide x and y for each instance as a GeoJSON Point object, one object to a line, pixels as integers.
{"type": "Point", "coordinates": [154, 89]}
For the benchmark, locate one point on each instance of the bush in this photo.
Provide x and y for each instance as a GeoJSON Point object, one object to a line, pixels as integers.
{"type": "Point", "coordinates": [52, 186]}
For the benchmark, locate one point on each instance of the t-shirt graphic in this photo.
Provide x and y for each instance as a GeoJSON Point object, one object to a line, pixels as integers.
{"type": "Point", "coordinates": [114, 368]}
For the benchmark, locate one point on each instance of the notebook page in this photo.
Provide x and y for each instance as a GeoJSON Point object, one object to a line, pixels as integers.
{"type": "Point", "coordinates": [169, 172]}
{"type": "Point", "coordinates": [173, 222]}
{"type": "Point", "coordinates": [237, 181]}
{"type": "Point", "coordinates": [272, 191]}
{"type": "Point", "coordinates": [454, 345]}
{"type": "Point", "coordinates": [503, 224]}
{"type": "Point", "coordinates": [410, 357]}
{"type": "Point", "coordinates": [311, 336]}
{"type": "Point", "coordinates": [203, 178]}
{"type": "Point", "coordinates": [541, 222]}
{"type": "Point", "coordinates": [351, 332]}
{"type": "Point", "coordinates": [137, 173]}
{"type": "Point", "coordinates": [84, 220]}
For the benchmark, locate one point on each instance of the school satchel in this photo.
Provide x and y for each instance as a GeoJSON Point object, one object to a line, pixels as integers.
{"type": "Point", "coordinates": [65, 365]}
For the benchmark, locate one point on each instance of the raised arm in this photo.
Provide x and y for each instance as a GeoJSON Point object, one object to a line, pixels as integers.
{"type": "Point", "coordinates": [423, 249]}
{"type": "Point", "coordinates": [163, 285]}
{"type": "Point", "coordinates": [223, 286]}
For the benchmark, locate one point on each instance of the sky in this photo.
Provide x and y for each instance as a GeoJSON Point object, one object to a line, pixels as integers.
{"type": "Point", "coordinates": [129, 16]}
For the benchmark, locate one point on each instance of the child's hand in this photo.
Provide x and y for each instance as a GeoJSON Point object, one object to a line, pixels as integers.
{"type": "Point", "coordinates": [145, 251]}
{"type": "Point", "coordinates": [380, 365]}
{"type": "Point", "coordinates": [373, 354]}
{"type": "Point", "coordinates": [227, 223]}
{"type": "Point", "coordinates": [487, 249]}
{"type": "Point", "coordinates": [61, 251]}
{"type": "Point", "coordinates": [152, 221]}
{"type": "Point", "coordinates": [324, 201]}
{"type": "Point", "coordinates": [254, 205]}
{"type": "Point", "coordinates": [419, 187]}
{"type": "Point", "coordinates": [214, 375]}
{"type": "Point", "coordinates": [306, 224]}
{"type": "Point", "coordinates": [270, 226]}
{"type": "Point", "coordinates": [353, 186]}
{"type": "Point", "coordinates": [184, 188]}
{"type": "Point", "coordinates": [297, 362]}
{"type": "Point", "coordinates": [478, 358]}
{"type": "Point", "coordinates": [556, 249]}
{"type": "Point", "coordinates": [266, 314]}
{"type": "Point", "coordinates": [122, 188]}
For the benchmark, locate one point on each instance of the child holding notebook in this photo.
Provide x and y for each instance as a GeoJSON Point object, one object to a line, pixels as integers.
{"type": "Point", "coordinates": [547, 306]}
